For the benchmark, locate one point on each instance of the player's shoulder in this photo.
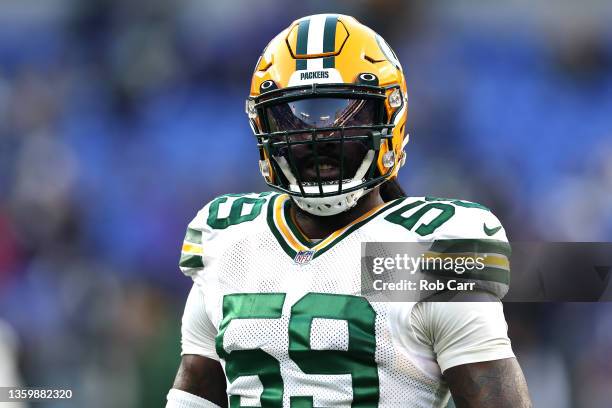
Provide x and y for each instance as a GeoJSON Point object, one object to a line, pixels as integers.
{"type": "Point", "coordinates": [432, 218]}
{"type": "Point", "coordinates": [453, 229]}
{"type": "Point", "coordinates": [232, 210]}
{"type": "Point", "coordinates": [220, 222]}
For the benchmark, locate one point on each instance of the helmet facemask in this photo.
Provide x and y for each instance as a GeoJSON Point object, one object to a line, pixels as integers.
{"type": "Point", "coordinates": [322, 143]}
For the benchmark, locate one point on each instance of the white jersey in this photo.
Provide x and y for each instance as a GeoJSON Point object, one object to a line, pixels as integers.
{"type": "Point", "coordinates": [286, 319]}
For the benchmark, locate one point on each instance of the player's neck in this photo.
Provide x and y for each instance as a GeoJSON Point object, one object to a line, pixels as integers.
{"type": "Point", "coordinates": [318, 227]}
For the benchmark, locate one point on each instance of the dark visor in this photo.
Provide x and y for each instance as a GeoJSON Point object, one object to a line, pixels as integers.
{"type": "Point", "coordinates": [316, 113]}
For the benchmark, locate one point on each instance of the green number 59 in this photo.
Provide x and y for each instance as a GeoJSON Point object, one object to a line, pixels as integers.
{"type": "Point", "coordinates": [358, 360]}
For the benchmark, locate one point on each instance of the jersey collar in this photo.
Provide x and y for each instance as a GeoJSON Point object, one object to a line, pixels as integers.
{"type": "Point", "coordinates": [293, 241]}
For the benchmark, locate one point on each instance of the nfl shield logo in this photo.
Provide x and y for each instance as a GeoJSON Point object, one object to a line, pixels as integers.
{"type": "Point", "coordinates": [303, 257]}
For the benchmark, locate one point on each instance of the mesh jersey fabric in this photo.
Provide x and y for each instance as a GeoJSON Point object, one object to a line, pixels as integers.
{"type": "Point", "coordinates": [259, 303]}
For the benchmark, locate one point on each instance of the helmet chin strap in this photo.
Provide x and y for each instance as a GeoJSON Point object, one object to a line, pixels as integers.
{"type": "Point", "coordinates": [332, 205]}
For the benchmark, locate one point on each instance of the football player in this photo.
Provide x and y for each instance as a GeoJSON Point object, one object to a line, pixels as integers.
{"type": "Point", "coordinates": [275, 317]}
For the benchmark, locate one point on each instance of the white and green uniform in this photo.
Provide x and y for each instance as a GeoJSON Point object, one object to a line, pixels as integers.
{"type": "Point", "coordinates": [286, 319]}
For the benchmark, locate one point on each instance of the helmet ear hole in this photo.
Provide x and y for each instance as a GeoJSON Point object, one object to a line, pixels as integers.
{"type": "Point", "coordinates": [367, 78]}
{"type": "Point", "coordinates": [267, 86]}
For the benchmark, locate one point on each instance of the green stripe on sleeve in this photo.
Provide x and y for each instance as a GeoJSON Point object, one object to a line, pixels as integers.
{"type": "Point", "coordinates": [191, 261]}
{"type": "Point", "coordinates": [488, 273]}
{"type": "Point", "coordinates": [193, 236]}
{"type": "Point", "coordinates": [491, 246]}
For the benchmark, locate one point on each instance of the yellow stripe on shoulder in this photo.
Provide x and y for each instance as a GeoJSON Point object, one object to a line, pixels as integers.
{"type": "Point", "coordinates": [192, 248]}
{"type": "Point", "coordinates": [487, 259]}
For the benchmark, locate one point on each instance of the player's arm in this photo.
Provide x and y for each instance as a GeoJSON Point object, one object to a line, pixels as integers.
{"type": "Point", "coordinates": [202, 377]}
{"type": "Point", "coordinates": [200, 381]}
{"type": "Point", "coordinates": [470, 341]}
{"type": "Point", "coordinates": [497, 383]}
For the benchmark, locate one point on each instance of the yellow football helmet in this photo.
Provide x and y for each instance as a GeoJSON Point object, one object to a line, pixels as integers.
{"type": "Point", "coordinates": [328, 80]}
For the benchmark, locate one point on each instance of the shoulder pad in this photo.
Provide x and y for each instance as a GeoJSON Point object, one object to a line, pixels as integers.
{"type": "Point", "coordinates": [220, 214]}
{"type": "Point", "coordinates": [474, 232]}
{"type": "Point", "coordinates": [433, 218]}
{"type": "Point", "coordinates": [459, 230]}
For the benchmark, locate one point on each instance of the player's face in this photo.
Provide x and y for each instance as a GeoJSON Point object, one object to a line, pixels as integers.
{"type": "Point", "coordinates": [324, 151]}
{"type": "Point", "coordinates": [330, 156]}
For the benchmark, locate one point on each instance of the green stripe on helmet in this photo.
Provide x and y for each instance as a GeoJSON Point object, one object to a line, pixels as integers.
{"type": "Point", "coordinates": [329, 40]}
{"type": "Point", "coordinates": [301, 47]}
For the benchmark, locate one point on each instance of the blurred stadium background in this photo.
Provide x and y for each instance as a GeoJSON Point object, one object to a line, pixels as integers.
{"type": "Point", "coordinates": [119, 119]}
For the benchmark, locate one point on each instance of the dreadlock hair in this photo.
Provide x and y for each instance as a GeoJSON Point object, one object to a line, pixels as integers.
{"type": "Point", "coordinates": [391, 190]}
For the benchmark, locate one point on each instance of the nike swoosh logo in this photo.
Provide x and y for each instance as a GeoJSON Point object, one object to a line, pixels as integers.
{"type": "Point", "coordinates": [490, 231]}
